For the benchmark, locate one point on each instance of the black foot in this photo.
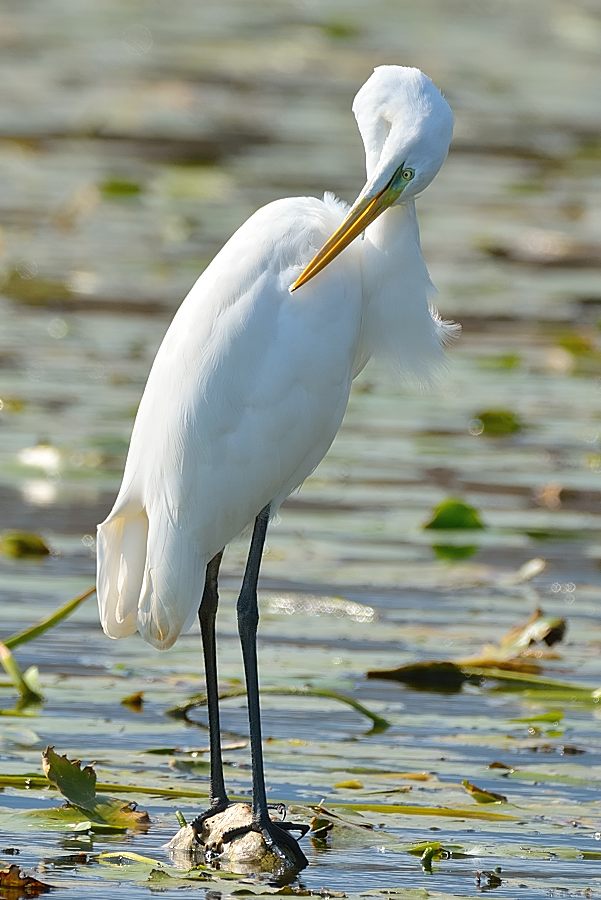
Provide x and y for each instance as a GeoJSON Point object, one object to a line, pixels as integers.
{"type": "Point", "coordinates": [278, 838]}
{"type": "Point", "coordinates": [217, 806]}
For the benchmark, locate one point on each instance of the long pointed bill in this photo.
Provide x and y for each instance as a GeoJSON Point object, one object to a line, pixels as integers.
{"type": "Point", "coordinates": [363, 212]}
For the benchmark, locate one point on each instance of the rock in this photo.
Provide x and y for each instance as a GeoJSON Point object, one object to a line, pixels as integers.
{"type": "Point", "coordinates": [244, 854]}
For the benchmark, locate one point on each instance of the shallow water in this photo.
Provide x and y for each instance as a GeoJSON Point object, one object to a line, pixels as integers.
{"type": "Point", "coordinates": [131, 145]}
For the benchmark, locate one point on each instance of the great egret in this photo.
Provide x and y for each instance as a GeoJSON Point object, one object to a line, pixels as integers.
{"type": "Point", "coordinates": [251, 382]}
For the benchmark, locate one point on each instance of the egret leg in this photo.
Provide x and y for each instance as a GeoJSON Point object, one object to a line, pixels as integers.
{"type": "Point", "coordinates": [276, 835]}
{"type": "Point", "coordinates": [206, 614]}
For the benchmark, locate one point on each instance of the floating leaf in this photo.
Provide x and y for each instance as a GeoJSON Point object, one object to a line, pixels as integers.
{"type": "Point", "coordinates": [453, 514]}
{"type": "Point", "coordinates": [450, 849]}
{"type": "Point", "coordinates": [351, 784]}
{"type": "Point", "coordinates": [506, 361]}
{"type": "Point", "coordinates": [535, 630]}
{"type": "Point", "coordinates": [510, 655]}
{"type": "Point", "coordinates": [19, 544]}
{"type": "Point", "coordinates": [441, 675]}
{"type": "Point", "coordinates": [454, 552]}
{"type": "Point", "coordinates": [78, 786]}
{"type": "Point", "coordinates": [340, 29]}
{"type": "Point", "coordinates": [34, 290]}
{"type": "Point", "coordinates": [15, 885]}
{"type": "Point", "coordinates": [320, 827]}
{"type": "Point", "coordinates": [116, 188]}
{"type": "Point", "coordinates": [497, 422]}
{"type": "Point", "coordinates": [554, 715]}
{"type": "Point", "coordinates": [12, 404]}
{"type": "Point", "coordinates": [481, 795]}
{"type": "Point", "coordinates": [134, 701]}
{"type": "Point", "coordinates": [576, 343]}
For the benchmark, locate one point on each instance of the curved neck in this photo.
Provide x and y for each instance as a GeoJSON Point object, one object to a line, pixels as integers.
{"type": "Point", "coordinates": [391, 250]}
{"type": "Point", "coordinates": [395, 227]}
{"type": "Point", "coordinates": [397, 323]}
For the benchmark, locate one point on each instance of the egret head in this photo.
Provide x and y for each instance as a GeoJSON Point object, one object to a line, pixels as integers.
{"type": "Point", "coordinates": [406, 126]}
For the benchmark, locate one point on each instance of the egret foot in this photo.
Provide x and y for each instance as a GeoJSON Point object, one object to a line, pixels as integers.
{"type": "Point", "coordinates": [277, 838]}
{"type": "Point", "coordinates": [216, 807]}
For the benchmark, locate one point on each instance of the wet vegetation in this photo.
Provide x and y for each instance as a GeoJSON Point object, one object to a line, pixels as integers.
{"type": "Point", "coordinates": [430, 602]}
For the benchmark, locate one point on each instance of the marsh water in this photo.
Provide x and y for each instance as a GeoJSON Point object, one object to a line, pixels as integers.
{"type": "Point", "coordinates": [134, 138]}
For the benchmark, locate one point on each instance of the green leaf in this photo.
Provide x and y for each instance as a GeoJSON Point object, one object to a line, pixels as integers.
{"type": "Point", "coordinates": [500, 361]}
{"type": "Point", "coordinates": [454, 514]}
{"type": "Point", "coordinates": [454, 552]}
{"type": "Point", "coordinates": [34, 290]}
{"type": "Point", "coordinates": [27, 683]}
{"type": "Point", "coordinates": [576, 343]}
{"type": "Point", "coordinates": [418, 849]}
{"type": "Point", "coordinates": [481, 795]}
{"type": "Point", "coordinates": [22, 544]}
{"type": "Point", "coordinates": [497, 422]}
{"type": "Point", "coordinates": [117, 188]}
{"type": "Point", "coordinates": [78, 786]}
{"type": "Point", "coordinates": [351, 784]}
{"type": "Point", "coordinates": [553, 715]}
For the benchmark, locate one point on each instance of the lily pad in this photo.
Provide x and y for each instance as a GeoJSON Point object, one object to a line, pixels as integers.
{"type": "Point", "coordinates": [78, 786]}
{"type": "Point", "coordinates": [34, 290]}
{"type": "Point", "coordinates": [19, 544]}
{"type": "Point", "coordinates": [481, 795]}
{"type": "Point", "coordinates": [118, 188]}
{"type": "Point", "coordinates": [497, 422]}
{"type": "Point", "coordinates": [453, 514]}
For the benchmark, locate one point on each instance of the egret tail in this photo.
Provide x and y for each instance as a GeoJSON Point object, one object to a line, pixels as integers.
{"type": "Point", "coordinates": [150, 575]}
{"type": "Point", "coordinates": [122, 542]}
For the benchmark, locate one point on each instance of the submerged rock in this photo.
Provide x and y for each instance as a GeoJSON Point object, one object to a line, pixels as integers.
{"type": "Point", "coordinates": [244, 854]}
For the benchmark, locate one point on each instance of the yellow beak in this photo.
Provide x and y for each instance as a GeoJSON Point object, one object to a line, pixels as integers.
{"type": "Point", "coordinates": [363, 212]}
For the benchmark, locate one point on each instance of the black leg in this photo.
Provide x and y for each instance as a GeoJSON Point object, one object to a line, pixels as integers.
{"type": "Point", "coordinates": [275, 834]}
{"type": "Point", "coordinates": [206, 614]}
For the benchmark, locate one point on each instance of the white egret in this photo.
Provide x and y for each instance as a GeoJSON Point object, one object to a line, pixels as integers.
{"type": "Point", "coordinates": [251, 382]}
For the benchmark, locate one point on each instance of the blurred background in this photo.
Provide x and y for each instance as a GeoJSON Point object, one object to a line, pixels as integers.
{"type": "Point", "coordinates": [134, 138]}
{"type": "Point", "coordinates": [134, 142]}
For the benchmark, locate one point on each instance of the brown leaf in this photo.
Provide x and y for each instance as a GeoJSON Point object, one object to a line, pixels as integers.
{"type": "Point", "coordinates": [135, 702]}
{"type": "Point", "coordinates": [15, 885]}
{"type": "Point", "coordinates": [481, 795]}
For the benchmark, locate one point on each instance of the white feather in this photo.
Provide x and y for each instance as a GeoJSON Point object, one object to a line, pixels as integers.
{"type": "Point", "coordinates": [250, 384]}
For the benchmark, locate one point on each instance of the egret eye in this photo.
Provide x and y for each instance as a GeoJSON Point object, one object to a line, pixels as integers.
{"type": "Point", "coordinates": [407, 174]}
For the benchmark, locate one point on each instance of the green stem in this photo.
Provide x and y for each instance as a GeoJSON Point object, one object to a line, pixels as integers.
{"type": "Point", "coordinates": [379, 723]}
{"type": "Point", "coordinates": [523, 679]}
{"type": "Point", "coordinates": [12, 669]}
{"type": "Point", "coordinates": [40, 781]}
{"type": "Point", "coordinates": [407, 810]}
{"type": "Point", "coordinates": [34, 631]}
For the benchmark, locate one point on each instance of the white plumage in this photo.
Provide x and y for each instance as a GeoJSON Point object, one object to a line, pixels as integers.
{"type": "Point", "coordinates": [250, 384]}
